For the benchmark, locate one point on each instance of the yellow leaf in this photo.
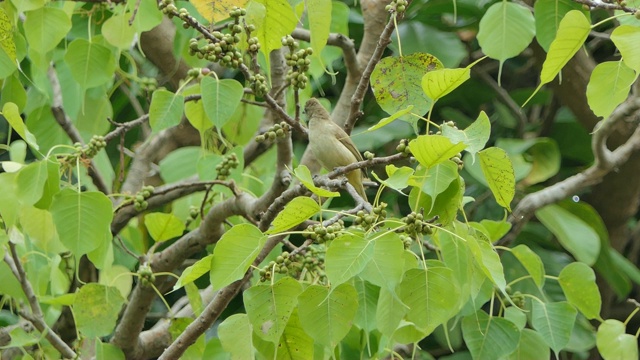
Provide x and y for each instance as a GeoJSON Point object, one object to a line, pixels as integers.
{"type": "Point", "coordinates": [216, 10]}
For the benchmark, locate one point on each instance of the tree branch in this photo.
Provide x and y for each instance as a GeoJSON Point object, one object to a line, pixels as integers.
{"type": "Point", "coordinates": [36, 317]}
{"type": "Point", "coordinates": [65, 123]}
{"type": "Point", "coordinates": [605, 162]}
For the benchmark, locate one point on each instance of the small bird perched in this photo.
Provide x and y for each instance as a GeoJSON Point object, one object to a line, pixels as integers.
{"type": "Point", "coordinates": [331, 145]}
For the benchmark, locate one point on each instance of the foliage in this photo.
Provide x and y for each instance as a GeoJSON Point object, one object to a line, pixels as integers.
{"type": "Point", "coordinates": [126, 181]}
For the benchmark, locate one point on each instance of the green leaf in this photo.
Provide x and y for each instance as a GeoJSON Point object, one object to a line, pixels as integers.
{"type": "Point", "coordinates": [614, 343]}
{"type": "Point", "coordinates": [91, 64]}
{"type": "Point", "coordinates": [626, 38]}
{"type": "Point", "coordinates": [438, 83]}
{"type": "Point", "coordinates": [295, 212]}
{"type": "Point", "coordinates": [7, 45]}
{"type": "Point", "coordinates": [220, 99]}
{"type": "Point", "coordinates": [235, 334]}
{"type": "Point", "coordinates": [193, 272]}
{"type": "Point", "coordinates": [488, 259]}
{"type": "Point", "coordinates": [243, 124]}
{"type": "Point", "coordinates": [609, 86]}
{"type": "Point", "coordinates": [531, 262]}
{"type": "Point", "coordinates": [572, 32]}
{"type": "Point", "coordinates": [150, 16]}
{"type": "Point", "coordinates": [367, 303]}
{"type": "Point", "coordinates": [194, 110]}
{"type": "Point", "coordinates": [96, 308]}
{"type": "Point", "coordinates": [389, 312]}
{"type": "Point", "coordinates": [118, 32]}
{"type": "Point", "coordinates": [234, 253]}
{"type": "Point", "coordinates": [573, 233]}
{"type": "Point", "coordinates": [578, 281]}
{"type": "Point", "coordinates": [82, 219]}
{"type": "Point", "coordinates": [269, 307]}
{"type": "Point", "coordinates": [179, 164]}
{"type": "Point", "coordinates": [548, 14]}
{"type": "Point", "coordinates": [398, 177]}
{"type": "Point", "coordinates": [530, 347]}
{"type": "Point", "coordinates": [386, 265]}
{"type": "Point", "coordinates": [165, 110]}
{"type": "Point", "coordinates": [475, 136]}
{"type": "Point", "coordinates": [38, 225]}
{"type": "Point", "coordinates": [395, 82]}
{"type": "Point", "coordinates": [295, 344]}
{"type": "Point", "coordinates": [456, 255]}
{"type": "Point", "coordinates": [347, 256]}
{"type": "Point", "coordinates": [498, 170]}
{"type": "Point", "coordinates": [489, 338]}
{"type": "Point", "coordinates": [163, 227]}
{"type": "Point", "coordinates": [303, 174]}
{"type": "Point", "coordinates": [506, 29]}
{"type": "Point", "coordinates": [430, 150]}
{"type": "Point", "coordinates": [554, 322]}
{"type": "Point", "coordinates": [44, 28]}
{"type": "Point", "coordinates": [11, 112]}
{"type": "Point", "coordinates": [319, 13]}
{"type": "Point", "coordinates": [327, 316]}
{"type": "Point", "coordinates": [495, 229]}
{"type": "Point", "coordinates": [542, 153]}
{"type": "Point", "coordinates": [438, 180]}
{"type": "Point", "coordinates": [30, 182]}
{"type": "Point", "coordinates": [388, 120]}
{"type": "Point", "coordinates": [106, 351]}
{"type": "Point", "coordinates": [446, 204]}
{"type": "Point", "coordinates": [432, 295]}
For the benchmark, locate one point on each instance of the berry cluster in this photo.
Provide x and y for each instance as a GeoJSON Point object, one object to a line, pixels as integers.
{"type": "Point", "coordinates": [140, 200]}
{"type": "Point", "coordinates": [368, 155]}
{"type": "Point", "coordinates": [84, 153]}
{"type": "Point", "coordinates": [458, 160]}
{"type": "Point", "coordinates": [299, 61]}
{"type": "Point", "coordinates": [321, 234]}
{"type": "Point", "coordinates": [96, 144]}
{"type": "Point", "coordinates": [310, 263]}
{"type": "Point", "coordinates": [148, 84]}
{"type": "Point", "coordinates": [258, 84]}
{"type": "Point", "coordinates": [224, 49]}
{"type": "Point", "coordinates": [224, 168]}
{"type": "Point", "coordinates": [146, 275]}
{"type": "Point", "coordinates": [397, 6]}
{"type": "Point", "coordinates": [403, 147]}
{"type": "Point", "coordinates": [416, 225]}
{"type": "Point", "coordinates": [377, 214]}
{"type": "Point", "coordinates": [276, 131]}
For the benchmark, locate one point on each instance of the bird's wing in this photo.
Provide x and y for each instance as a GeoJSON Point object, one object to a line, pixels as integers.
{"type": "Point", "coordinates": [348, 143]}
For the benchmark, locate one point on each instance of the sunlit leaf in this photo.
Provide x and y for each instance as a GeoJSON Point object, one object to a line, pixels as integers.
{"type": "Point", "coordinates": [347, 256]}
{"type": "Point", "coordinates": [626, 38]}
{"type": "Point", "coordinates": [234, 253]}
{"type": "Point", "coordinates": [609, 86]}
{"type": "Point", "coordinates": [430, 150]}
{"type": "Point", "coordinates": [572, 32]}
{"type": "Point", "coordinates": [216, 10]}
{"type": "Point", "coordinates": [498, 171]}
{"type": "Point", "coordinates": [294, 213]}
{"type": "Point", "coordinates": [163, 227]}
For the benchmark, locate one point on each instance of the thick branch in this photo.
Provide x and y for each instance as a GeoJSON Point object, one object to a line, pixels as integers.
{"type": "Point", "coordinates": [605, 162]}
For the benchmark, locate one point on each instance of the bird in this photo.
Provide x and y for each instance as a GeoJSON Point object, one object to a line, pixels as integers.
{"type": "Point", "coordinates": [331, 145]}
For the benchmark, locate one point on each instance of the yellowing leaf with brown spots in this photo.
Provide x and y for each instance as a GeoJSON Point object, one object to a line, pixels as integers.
{"type": "Point", "coordinates": [216, 10]}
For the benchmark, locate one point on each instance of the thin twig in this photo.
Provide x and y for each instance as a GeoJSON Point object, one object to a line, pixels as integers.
{"type": "Point", "coordinates": [36, 317]}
